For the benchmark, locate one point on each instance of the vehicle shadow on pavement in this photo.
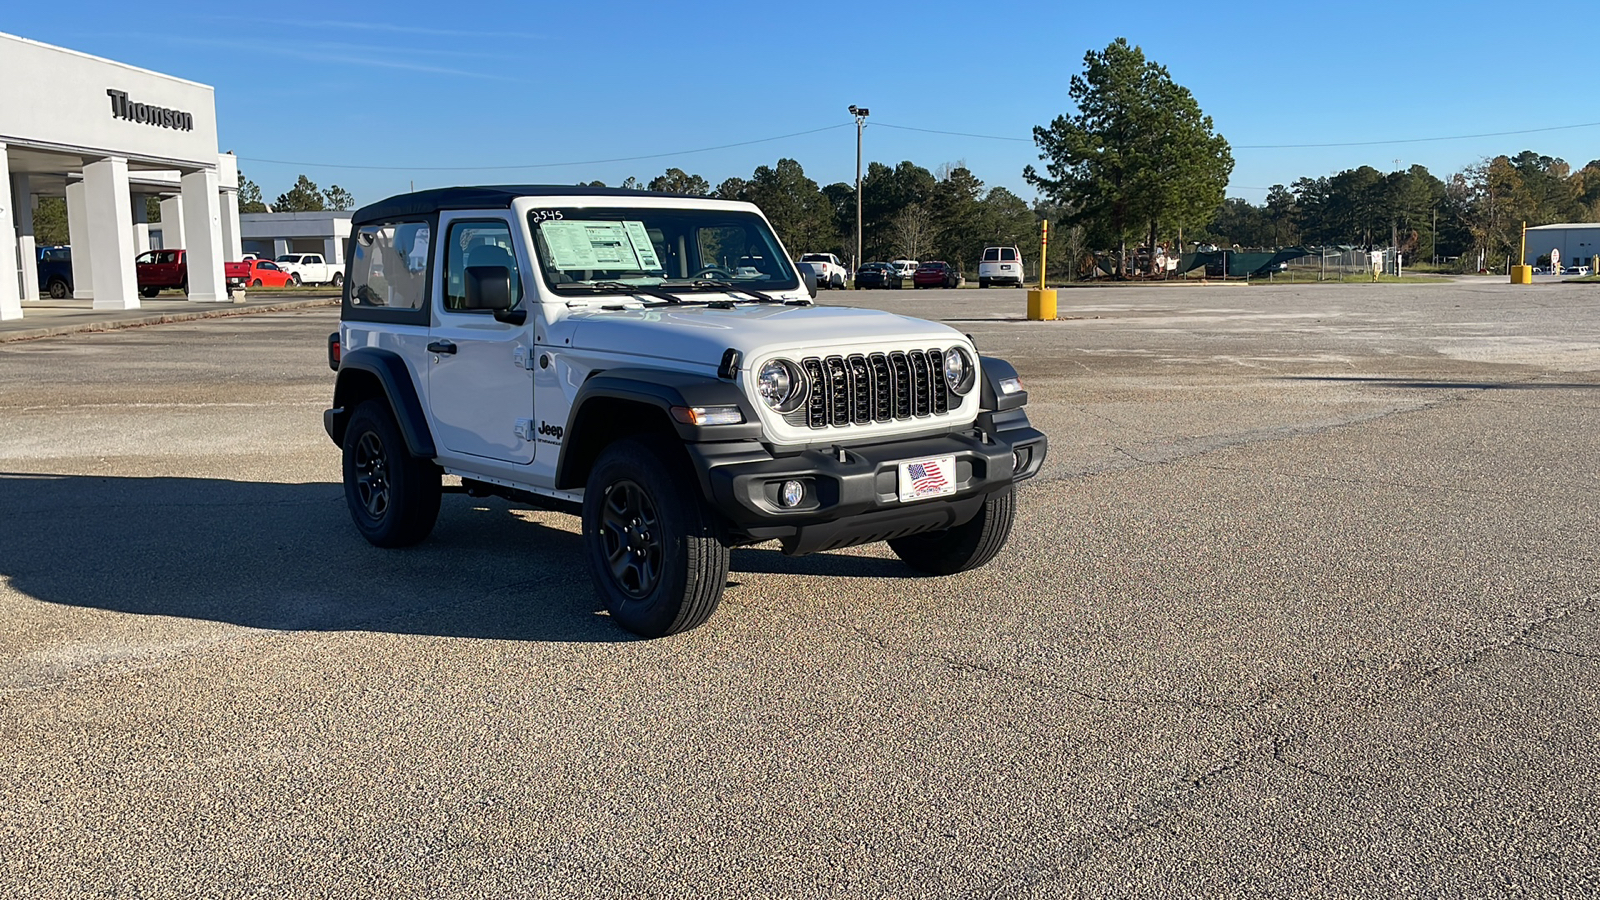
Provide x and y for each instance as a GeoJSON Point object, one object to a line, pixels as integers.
{"type": "Point", "coordinates": [759, 560]}
{"type": "Point", "coordinates": [286, 557]}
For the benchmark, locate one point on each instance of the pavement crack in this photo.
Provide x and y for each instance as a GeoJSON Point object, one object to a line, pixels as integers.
{"type": "Point", "coordinates": [967, 665]}
{"type": "Point", "coordinates": [1557, 650]}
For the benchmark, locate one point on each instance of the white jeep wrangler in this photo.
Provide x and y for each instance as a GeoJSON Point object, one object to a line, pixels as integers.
{"type": "Point", "coordinates": [656, 364]}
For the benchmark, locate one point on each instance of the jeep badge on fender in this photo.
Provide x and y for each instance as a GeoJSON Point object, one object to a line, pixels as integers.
{"type": "Point", "coordinates": [690, 395]}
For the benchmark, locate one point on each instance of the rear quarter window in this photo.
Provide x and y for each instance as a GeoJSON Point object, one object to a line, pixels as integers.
{"type": "Point", "coordinates": [390, 272]}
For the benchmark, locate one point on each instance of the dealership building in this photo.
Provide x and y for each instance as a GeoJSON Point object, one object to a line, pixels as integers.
{"type": "Point", "coordinates": [106, 136]}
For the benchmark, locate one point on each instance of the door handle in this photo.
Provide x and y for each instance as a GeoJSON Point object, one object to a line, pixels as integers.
{"type": "Point", "coordinates": [441, 347]}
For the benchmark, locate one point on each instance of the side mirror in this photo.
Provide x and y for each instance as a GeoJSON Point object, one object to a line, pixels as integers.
{"type": "Point", "coordinates": [488, 287]}
{"type": "Point", "coordinates": [810, 278]}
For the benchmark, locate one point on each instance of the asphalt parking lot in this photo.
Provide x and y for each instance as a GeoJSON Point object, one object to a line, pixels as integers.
{"type": "Point", "coordinates": [1304, 603]}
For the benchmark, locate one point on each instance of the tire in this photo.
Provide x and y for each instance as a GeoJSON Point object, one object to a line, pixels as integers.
{"type": "Point", "coordinates": [183, 286]}
{"type": "Point", "coordinates": [983, 283]}
{"type": "Point", "coordinates": [338, 279]}
{"type": "Point", "coordinates": [393, 496]}
{"type": "Point", "coordinates": [965, 546]}
{"type": "Point", "coordinates": [294, 280]}
{"type": "Point", "coordinates": [148, 292]}
{"type": "Point", "coordinates": [57, 289]}
{"type": "Point", "coordinates": [256, 283]}
{"type": "Point", "coordinates": [649, 539]}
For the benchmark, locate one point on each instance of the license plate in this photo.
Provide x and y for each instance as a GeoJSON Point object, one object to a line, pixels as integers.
{"type": "Point", "coordinates": [924, 478]}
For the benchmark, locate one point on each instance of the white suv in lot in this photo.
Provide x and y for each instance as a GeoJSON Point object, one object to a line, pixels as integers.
{"type": "Point", "coordinates": [656, 365]}
{"type": "Point", "coordinates": [1000, 265]}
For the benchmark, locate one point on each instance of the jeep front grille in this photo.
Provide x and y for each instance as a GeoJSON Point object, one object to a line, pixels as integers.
{"type": "Point", "coordinates": [863, 388]}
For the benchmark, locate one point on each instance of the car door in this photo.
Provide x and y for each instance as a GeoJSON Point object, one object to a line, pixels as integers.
{"type": "Point", "coordinates": [480, 376]}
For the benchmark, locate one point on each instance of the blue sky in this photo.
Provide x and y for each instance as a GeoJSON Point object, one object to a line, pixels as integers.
{"type": "Point", "coordinates": [409, 89]}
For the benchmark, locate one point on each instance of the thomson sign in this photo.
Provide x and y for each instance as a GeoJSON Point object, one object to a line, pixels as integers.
{"type": "Point", "coordinates": [146, 114]}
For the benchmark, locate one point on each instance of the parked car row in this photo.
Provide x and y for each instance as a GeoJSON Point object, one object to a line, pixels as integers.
{"type": "Point", "coordinates": [997, 265]}
{"type": "Point", "coordinates": [159, 270]}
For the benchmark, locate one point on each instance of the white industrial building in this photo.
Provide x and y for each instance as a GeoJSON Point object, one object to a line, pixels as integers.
{"type": "Point", "coordinates": [106, 135]}
{"type": "Point", "coordinates": [273, 234]}
{"type": "Point", "coordinates": [1577, 242]}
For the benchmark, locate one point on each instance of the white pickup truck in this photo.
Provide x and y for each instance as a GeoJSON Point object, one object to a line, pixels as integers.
{"type": "Point", "coordinates": [829, 271]}
{"type": "Point", "coordinates": [310, 268]}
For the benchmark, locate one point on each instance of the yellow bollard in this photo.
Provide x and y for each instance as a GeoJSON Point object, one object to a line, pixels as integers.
{"type": "Point", "coordinates": [1042, 302]}
{"type": "Point", "coordinates": [1522, 274]}
{"type": "Point", "coordinates": [1042, 305]}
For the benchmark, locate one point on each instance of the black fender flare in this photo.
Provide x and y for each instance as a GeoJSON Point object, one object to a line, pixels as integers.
{"type": "Point", "coordinates": [391, 373]}
{"type": "Point", "coordinates": [990, 398]}
{"type": "Point", "coordinates": [659, 389]}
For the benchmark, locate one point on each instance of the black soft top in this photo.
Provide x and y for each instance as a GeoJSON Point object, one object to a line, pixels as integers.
{"type": "Point", "coordinates": [498, 196]}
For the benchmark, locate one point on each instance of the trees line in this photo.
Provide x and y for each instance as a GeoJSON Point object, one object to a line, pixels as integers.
{"type": "Point", "coordinates": [1472, 217]}
{"type": "Point", "coordinates": [1137, 162]}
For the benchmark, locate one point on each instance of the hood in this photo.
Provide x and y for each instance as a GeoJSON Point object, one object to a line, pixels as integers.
{"type": "Point", "coordinates": [697, 334]}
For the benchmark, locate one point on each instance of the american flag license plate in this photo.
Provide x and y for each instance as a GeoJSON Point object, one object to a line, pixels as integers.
{"type": "Point", "coordinates": [924, 478]}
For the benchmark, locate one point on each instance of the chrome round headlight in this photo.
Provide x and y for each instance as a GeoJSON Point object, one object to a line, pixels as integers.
{"type": "Point", "coordinates": [959, 372]}
{"type": "Point", "coordinates": [781, 385]}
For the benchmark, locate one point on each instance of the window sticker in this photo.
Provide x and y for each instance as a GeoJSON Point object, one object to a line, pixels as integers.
{"type": "Point", "coordinates": [599, 245]}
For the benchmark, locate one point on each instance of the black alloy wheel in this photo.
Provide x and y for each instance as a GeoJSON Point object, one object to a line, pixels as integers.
{"type": "Point", "coordinates": [630, 532]}
{"type": "Point", "coordinates": [393, 496]}
{"type": "Point", "coordinates": [650, 541]}
{"type": "Point", "coordinates": [372, 475]}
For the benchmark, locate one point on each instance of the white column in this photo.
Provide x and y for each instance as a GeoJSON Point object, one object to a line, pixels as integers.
{"type": "Point", "coordinates": [333, 250]}
{"type": "Point", "coordinates": [202, 232]}
{"type": "Point", "coordinates": [141, 222]}
{"type": "Point", "coordinates": [105, 185]}
{"type": "Point", "coordinates": [172, 223]}
{"type": "Point", "coordinates": [10, 285]}
{"type": "Point", "coordinates": [232, 243]}
{"type": "Point", "coordinates": [78, 235]}
{"type": "Point", "coordinates": [27, 254]}
{"type": "Point", "coordinates": [280, 246]}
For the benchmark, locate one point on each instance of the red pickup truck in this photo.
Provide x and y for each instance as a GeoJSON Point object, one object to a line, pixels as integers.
{"type": "Point", "coordinates": [158, 270]}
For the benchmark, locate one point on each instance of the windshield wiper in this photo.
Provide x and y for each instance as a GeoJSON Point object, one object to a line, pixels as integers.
{"type": "Point", "coordinates": [704, 285]}
{"type": "Point", "coordinates": [617, 287]}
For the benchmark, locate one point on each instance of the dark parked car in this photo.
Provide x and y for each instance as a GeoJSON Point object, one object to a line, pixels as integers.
{"type": "Point", "coordinates": [877, 275]}
{"type": "Point", "coordinates": [936, 274]}
{"type": "Point", "coordinates": [55, 272]}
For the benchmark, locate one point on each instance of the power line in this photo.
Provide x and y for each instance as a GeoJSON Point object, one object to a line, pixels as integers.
{"type": "Point", "coordinates": [1452, 137]}
{"type": "Point", "coordinates": [987, 137]}
{"type": "Point", "coordinates": [554, 165]}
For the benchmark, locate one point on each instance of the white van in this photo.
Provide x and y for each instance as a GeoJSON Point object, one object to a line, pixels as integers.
{"type": "Point", "coordinates": [1000, 265]}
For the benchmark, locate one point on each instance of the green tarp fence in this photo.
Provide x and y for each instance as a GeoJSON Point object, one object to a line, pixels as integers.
{"type": "Point", "coordinates": [1240, 265]}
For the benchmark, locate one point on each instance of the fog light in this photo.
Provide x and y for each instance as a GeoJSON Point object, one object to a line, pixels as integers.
{"type": "Point", "coordinates": [1019, 460]}
{"type": "Point", "coordinates": [791, 495]}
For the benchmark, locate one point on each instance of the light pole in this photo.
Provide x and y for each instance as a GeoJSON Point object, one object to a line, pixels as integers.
{"type": "Point", "coordinates": [861, 113]}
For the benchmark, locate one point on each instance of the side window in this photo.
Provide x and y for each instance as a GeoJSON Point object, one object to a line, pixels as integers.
{"type": "Point", "coordinates": [486, 243]}
{"type": "Point", "coordinates": [145, 259]}
{"type": "Point", "coordinates": [389, 265]}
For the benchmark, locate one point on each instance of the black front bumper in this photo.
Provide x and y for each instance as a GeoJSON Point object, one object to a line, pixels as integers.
{"type": "Point", "coordinates": [851, 492]}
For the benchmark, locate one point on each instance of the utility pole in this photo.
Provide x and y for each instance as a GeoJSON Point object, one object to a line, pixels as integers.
{"type": "Point", "coordinates": [861, 113]}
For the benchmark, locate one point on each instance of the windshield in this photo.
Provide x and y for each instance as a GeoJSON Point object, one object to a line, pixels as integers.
{"type": "Point", "coordinates": [597, 248]}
